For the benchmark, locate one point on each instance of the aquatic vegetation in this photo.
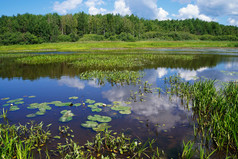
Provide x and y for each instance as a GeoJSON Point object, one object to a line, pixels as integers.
{"type": "Point", "coordinates": [15, 100]}
{"type": "Point", "coordinates": [31, 96]}
{"type": "Point", "coordinates": [62, 104]}
{"type": "Point", "coordinates": [101, 127]}
{"type": "Point", "coordinates": [99, 118]}
{"type": "Point", "coordinates": [74, 97]}
{"type": "Point", "coordinates": [42, 107]}
{"type": "Point", "coordinates": [125, 112]}
{"type": "Point", "coordinates": [14, 108]}
{"type": "Point", "coordinates": [215, 110]}
{"type": "Point", "coordinates": [77, 104]}
{"type": "Point", "coordinates": [5, 105]}
{"type": "Point", "coordinates": [3, 114]}
{"type": "Point", "coordinates": [89, 101]}
{"type": "Point", "coordinates": [31, 115]}
{"type": "Point", "coordinates": [67, 116]}
{"type": "Point", "coordinates": [89, 124]}
{"type": "Point", "coordinates": [5, 98]}
{"type": "Point", "coordinates": [22, 140]}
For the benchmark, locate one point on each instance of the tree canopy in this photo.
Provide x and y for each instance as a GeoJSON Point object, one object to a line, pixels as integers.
{"type": "Point", "coordinates": [33, 29]}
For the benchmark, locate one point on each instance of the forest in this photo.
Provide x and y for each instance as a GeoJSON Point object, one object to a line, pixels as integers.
{"type": "Point", "coordinates": [35, 29]}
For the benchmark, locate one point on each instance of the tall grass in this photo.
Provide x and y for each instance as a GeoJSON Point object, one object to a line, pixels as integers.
{"type": "Point", "coordinates": [215, 110]}
{"type": "Point", "coordinates": [93, 45]}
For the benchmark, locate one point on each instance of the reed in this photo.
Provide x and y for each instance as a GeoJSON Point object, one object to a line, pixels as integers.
{"type": "Point", "coordinates": [215, 110]}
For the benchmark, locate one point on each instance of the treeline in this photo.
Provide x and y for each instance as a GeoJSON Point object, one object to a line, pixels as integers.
{"type": "Point", "coordinates": [33, 29]}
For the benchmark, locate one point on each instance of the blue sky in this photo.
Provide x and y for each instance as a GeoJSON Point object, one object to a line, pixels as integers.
{"type": "Point", "coordinates": [222, 11]}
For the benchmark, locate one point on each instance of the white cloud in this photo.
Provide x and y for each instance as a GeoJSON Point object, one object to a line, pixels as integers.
{"type": "Point", "coordinates": [233, 21]}
{"type": "Point", "coordinates": [218, 7]}
{"type": "Point", "coordinates": [92, 5]}
{"type": "Point", "coordinates": [121, 8]}
{"type": "Point", "coordinates": [192, 11]}
{"type": "Point", "coordinates": [66, 6]}
{"type": "Point", "coordinates": [162, 72]}
{"type": "Point", "coordinates": [72, 82]}
{"type": "Point", "coordinates": [147, 9]}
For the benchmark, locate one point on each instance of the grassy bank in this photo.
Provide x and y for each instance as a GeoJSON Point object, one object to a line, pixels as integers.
{"type": "Point", "coordinates": [115, 45]}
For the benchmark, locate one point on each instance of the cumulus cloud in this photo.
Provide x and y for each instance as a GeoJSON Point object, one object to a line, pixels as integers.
{"type": "Point", "coordinates": [121, 8]}
{"type": "Point", "coordinates": [162, 72]}
{"type": "Point", "coordinates": [233, 21]}
{"type": "Point", "coordinates": [218, 7]}
{"type": "Point", "coordinates": [147, 9]}
{"type": "Point", "coordinates": [66, 6]}
{"type": "Point", "coordinates": [192, 11]}
{"type": "Point", "coordinates": [72, 82]}
{"type": "Point", "coordinates": [93, 10]}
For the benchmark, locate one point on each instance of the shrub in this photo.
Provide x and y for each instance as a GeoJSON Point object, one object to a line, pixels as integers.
{"type": "Point", "coordinates": [92, 37]}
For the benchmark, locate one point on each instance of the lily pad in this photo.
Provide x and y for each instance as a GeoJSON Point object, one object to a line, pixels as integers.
{"type": "Point", "coordinates": [116, 102]}
{"type": "Point", "coordinates": [31, 96]}
{"type": "Point", "coordinates": [31, 115]}
{"type": "Point", "coordinates": [101, 127]}
{"type": "Point", "coordinates": [92, 106]}
{"type": "Point", "coordinates": [77, 104]}
{"type": "Point", "coordinates": [63, 104]}
{"type": "Point", "coordinates": [120, 108]}
{"type": "Point", "coordinates": [89, 124]}
{"type": "Point", "coordinates": [125, 112]}
{"type": "Point", "coordinates": [5, 105]}
{"type": "Point", "coordinates": [21, 102]}
{"type": "Point", "coordinates": [40, 112]}
{"type": "Point", "coordinates": [55, 102]}
{"type": "Point", "coordinates": [90, 101]}
{"type": "Point", "coordinates": [65, 119]}
{"type": "Point", "coordinates": [63, 111]}
{"type": "Point", "coordinates": [15, 100]}
{"type": "Point", "coordinates": [96, 109]}
{"type": "Point", "coordinates": [99, 104]}
{"type": "Point", "coordinates": [74, 97]}
{"type": "Point", "coordinates": [14, 108]}
{"type": "Point", "coordinates": [67, 116]}
{"type": "Point", "coordinates": [5, 98]}
{"type": "Point", "coordinates": [99, 118]}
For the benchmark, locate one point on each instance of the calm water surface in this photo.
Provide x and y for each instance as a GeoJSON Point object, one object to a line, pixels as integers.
{"type": "Point", "coordinates": [158, 116]}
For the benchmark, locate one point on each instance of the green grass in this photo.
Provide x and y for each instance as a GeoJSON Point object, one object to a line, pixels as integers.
{"type": "Point", "coordinates": [115, 45]}
{"type": "Point", "coordinates": [215, 110]}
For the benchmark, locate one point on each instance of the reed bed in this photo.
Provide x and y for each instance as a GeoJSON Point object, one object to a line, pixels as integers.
{"type": "Point", "coordinates": [215, 110]}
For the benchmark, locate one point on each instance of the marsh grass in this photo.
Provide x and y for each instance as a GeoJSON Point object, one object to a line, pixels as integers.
{"type": "Point", "coordinates": [215, 110]}
{"type": "Point", "coordinates": [24, 141]}
{"type": "Point", "coordinates": [114, 45]}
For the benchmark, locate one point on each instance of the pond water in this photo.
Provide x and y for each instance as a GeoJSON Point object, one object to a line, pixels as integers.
{"type": "Point", "coordinates": [153, 115]}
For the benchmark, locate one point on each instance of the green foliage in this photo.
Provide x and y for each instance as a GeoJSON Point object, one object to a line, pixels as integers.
{"type": "Point", "coordinates": [33, 29]}
{"type": "Point", "coordinates": [92, 37]}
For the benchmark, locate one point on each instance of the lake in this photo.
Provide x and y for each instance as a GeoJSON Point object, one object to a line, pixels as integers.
{"type": "Point", "coordinates": [149, 113]}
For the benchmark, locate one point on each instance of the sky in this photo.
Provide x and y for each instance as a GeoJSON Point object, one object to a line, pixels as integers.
{"type": "Point", "coordinates": [221, 11]}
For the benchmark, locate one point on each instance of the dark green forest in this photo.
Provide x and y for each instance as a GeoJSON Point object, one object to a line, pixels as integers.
{"type": "Point", "coordinates": [35, 29]}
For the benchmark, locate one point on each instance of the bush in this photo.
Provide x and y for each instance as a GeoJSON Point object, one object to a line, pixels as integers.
{"type": "Point", "coordinates": [74, 37]}
{"type": "Point", "coordinates": [64, 38]}
{"type": "Point", "coordinates": [92, 37]}
{"type": "Point", "coordinates": [126, 37]}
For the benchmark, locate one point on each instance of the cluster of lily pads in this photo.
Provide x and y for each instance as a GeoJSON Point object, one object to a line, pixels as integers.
{"type": "Point", "coordinates": [14, 103]}
{"type": "Point", "coordinates": [96, 122]}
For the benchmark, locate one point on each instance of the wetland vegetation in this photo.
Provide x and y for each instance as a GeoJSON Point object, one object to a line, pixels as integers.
{"type": "Point", "coordinates": [106, 97]}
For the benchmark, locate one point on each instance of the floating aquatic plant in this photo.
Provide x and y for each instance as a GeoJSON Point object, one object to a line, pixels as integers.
{"type": "Point", "coordinates": [120, 108]}
{"type": "Point", "coordinates": [99, 118]}
{"type": "Point", "coordinates": [5, 105]}
{"type": "Point", "coordinates": [14, 108]}
{"type": "Point", "coordinates": [31, 96]}
{"type": "Point", "coordinates": [125, 112]}
{"type": "Point", "coordinates": [31, 115]}
{"type": "Point", "coordinates": [74, 97]}
{"type": "Point", "coordinates": [67, 116]}
{"type": "Point", "coordinates": [89, 101]}
{"type": "Point", "coordinates": [42, 107]}
{"type": "Point", "coordinates": [5, 98]}
{"type": "Point", "coordinates": [89, 124]}
{"type": "Point", "coordinates": [96, 109]}
{"type": "Point", "coordinates": [15, 100]}
{"type": "Point", "coordinates": [63, 104]}
{"type": "Point", "coordinates": [99, 104]}
{"type": "Point", "coordinates": [21, 102]}
{"type": "Point", "coordinates": [77, 104]}
{"type": "Point", "coordinates": [101, 127]}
